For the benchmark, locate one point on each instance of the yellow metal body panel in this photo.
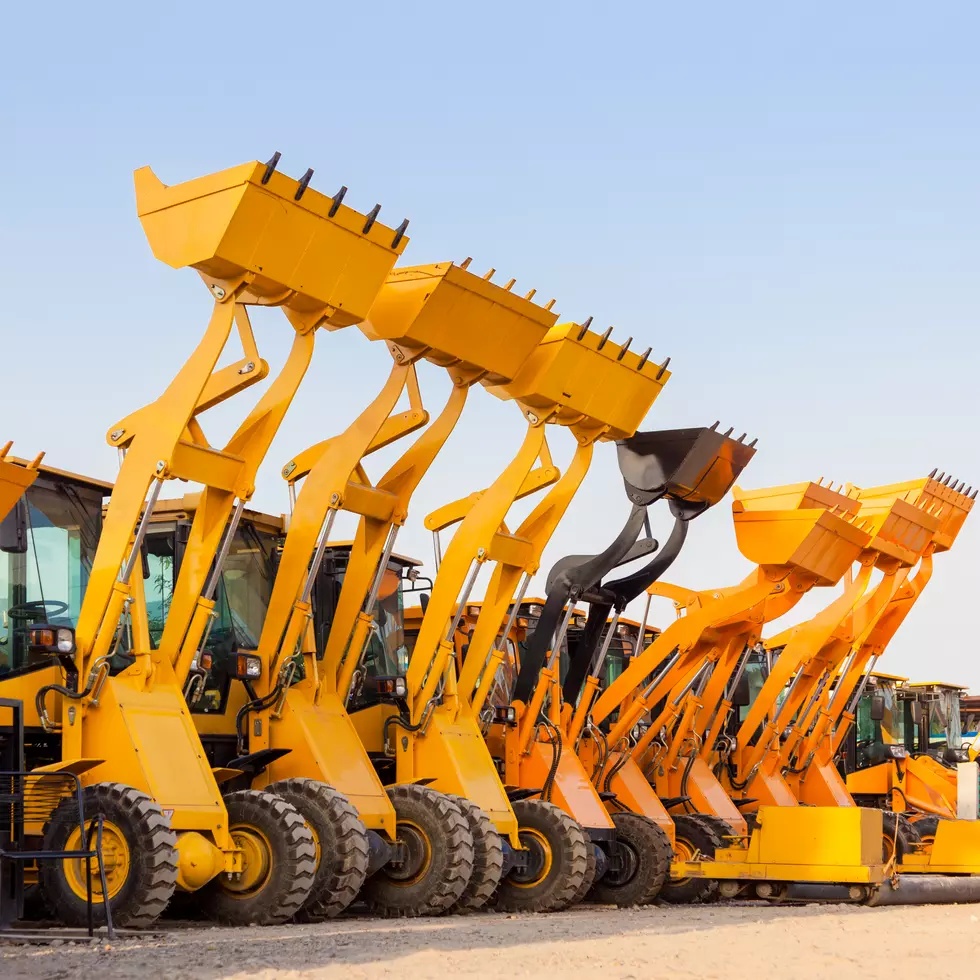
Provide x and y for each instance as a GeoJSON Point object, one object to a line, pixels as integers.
{"type": "Point", "coordinates": [454, 755]}
{"type": "Point", "coordinates": [802, 844]}
{"type": "Point", "coordinates": [956, 850]}
{"type": "Point", "coordinates": [632, 789]}
{"type": "Point", "coordinates": [229, 224]}
{"type": "Point", "coordinates": [324, 744]}
{"type": "Point", "coordinates": [920, 787]}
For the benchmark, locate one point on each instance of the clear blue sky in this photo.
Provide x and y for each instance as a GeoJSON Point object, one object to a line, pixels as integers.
{"type": "Point", "coordinates": [783, 197]}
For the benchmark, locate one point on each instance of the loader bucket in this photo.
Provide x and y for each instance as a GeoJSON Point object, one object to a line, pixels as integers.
{"type": "Point", "coordinates": [804, 526]}
{"type": "Point", "coordinates": [900, 530]}
{"type": "Point", "coordinates": [15, 478]}
{"type": "Point", "coordinates": [577, 376]}
{"type": "Point", "coordinates": [255, 224]}
{"type": "Point", "coordinates": [449, 315]}
{"type": "Point", "coordinates": [941, 497]}
{"type": "Point", "coordinates": [697, 466]}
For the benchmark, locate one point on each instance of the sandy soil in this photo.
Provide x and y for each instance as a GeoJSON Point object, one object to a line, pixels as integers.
{"type": "Point", "coordinates": [726, 941]}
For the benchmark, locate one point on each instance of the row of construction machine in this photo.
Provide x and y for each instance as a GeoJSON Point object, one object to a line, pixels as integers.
{"type": "Point", "coordinates": [757, 767]}
{"type": "Point", "coordinates": [231, 691]}
{"type": "Point", "coordinates": [104, 702]}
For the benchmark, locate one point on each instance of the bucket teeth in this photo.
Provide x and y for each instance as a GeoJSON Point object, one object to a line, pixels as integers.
{"type": "Point", "coordinates": [604, 338]}
{"type": "Point", "coordinates": [488, 275]}
{"type": "Point", "coordinates": [550, 304]}
{"type": "Point", "coordinates": [372, 216]}
{"type": "Point", "coordinates": [933, 473]}
{"type": "Point", "coordinates": [714, 425]}
{"type": "Point", "coordinates": [270, 166]}
{"type": "Point", "coordinates": [585, 329]}
{"type": "Point", "coordinates": [399, 233]}
{"type": "Point", "coordinates": [643, 359]}
{"type": "Point", "coordinates": [465, 264]}
{"type": "Point", "coordinates": [304, 182]}
{"type": "Point", "coordinates": [529, 295]}
{"type": "Point", "coordinates": [663, 367]}
{"type": "Point", "coordinates": [337, 200]}
{"type": "Point", "coordinates": [510, 285]}
{"type": "Point", "coordinates": [624, 349]}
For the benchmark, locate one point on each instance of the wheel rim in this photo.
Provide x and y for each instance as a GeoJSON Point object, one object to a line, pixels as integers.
{"type": "Point", "coordinates": [684, 851]}
{"type": "Point", "coordinates": [257, 861]}
{"type": "Point", "coordinates": [887, 847]}
{"type": "Point", "coordinates": [630, 865]}
{"type": "Point", "coordinates": [419, 858]}
{"type": "Point", "coordinates": [540, 860]}
{"type": "Point", "coordinates": [316, 842]}
{"type": "Point", "coordinates": [116, 859]}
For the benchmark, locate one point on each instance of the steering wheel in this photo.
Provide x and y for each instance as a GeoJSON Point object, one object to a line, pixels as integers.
{"type": "Point", "coordinates": [26, 611]}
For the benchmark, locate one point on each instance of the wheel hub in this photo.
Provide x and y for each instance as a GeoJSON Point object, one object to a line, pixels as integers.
{"type": "Point", "coordinates": [257, 862]}
{"type": "Point", "coordinates": [623, 865]}
{"type": "Point", "coordinates": [115, 860]}
{"type": "Point", "coordinates": [539, 859]}
{"type": "Point", "coordinates": [416, 854]}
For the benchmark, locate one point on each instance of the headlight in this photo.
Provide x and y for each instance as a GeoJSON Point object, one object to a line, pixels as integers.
{"type": "Point", "coordinates": [505, 714]}
{"type": "Point", "coordinates": [392, 687]}
{"type": "Point", "coordinates": [639, 731]}
{"type": "Point", "coordinates": [248, 667]}
{"type": "Point", "coordinates": [957, 755]}
{"type": "Point", "coordinates": [895, 752]}
{"type": "Point", "coordinates": [51, 640]}
{"type": "Point", "coordinates": [535, 609]}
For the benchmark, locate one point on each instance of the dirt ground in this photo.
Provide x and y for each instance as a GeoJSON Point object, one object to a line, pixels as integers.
{"type": "Point", "coordinates": [753, 942]}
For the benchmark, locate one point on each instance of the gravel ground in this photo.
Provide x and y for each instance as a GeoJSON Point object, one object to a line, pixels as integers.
{"type": "Point", "coordinates": [733, 942]}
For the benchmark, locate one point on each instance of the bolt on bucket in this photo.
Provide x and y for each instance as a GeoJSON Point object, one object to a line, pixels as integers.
{"type": "Point", "coordinates": [292, 245]}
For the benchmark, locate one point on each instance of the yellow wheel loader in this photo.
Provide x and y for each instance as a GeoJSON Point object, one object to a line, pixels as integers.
{"type": "Point", "coordinates": [578, 379]}
{"type": "Point", "coordinates": [330, 609]}
{"type": "Point", "coordinates": [905, 750]}
{"type": "Point", "coordinates": [109, 703]}
{"type": "Point", "coordinates": [538, 751]}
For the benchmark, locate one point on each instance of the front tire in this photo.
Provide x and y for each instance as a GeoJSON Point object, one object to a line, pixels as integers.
{"type": "Point", "coordinates": [440, 856]}
{"type": "Point", "coordinates": [340, 840]}
{"type": "Point", "coordinates": [139, 852]}
{"type": "Point", "coordinates": [692, 836]}
{"type": "Point", "coordinates": [646, 863]}
{"type": "Point", "coordinates": [559, 859]}
{"type": "Point", "coordinates": [279, 863]}
{"type": "Point", "coordinates": [898, 837]}
{"type": "Point", "coordinates": [488, 858]}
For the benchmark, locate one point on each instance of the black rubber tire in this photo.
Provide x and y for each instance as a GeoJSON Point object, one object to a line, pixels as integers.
{"type": "Point", "coordinates": [896, 832]}
{"type": "Point", "coordinates": [591, 866]}
{"type": "Point", "coordinates": [293, 863]}
{"type": "Point", "coordinates": [569, 846]}
{"type": "Point", "coordinates": [723, 828]}
{"type": "Point", "coordinates": [693, 835]}
{"type": "Point", "coordinates": [152, 846]}
{"type": "Point", "coordinates": [650, 852]}
{"type": "Point", "coordinates": [341, 842]}
{"type": "Point", "coordinates": [488, 858]}
{"type": "Point", "coordinates": [926, 828]}
{"type": "Point", "coordinates": [445, 834]}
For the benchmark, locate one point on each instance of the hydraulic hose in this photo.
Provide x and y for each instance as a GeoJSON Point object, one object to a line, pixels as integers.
{"type": "Point", "coordinates": [555, 757]}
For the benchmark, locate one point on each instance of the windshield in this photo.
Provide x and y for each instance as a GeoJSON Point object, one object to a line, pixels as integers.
{"type": "Point", "coordinates": [47, 583]}
{"type": "Point", "coordinates": [385, 652]}
{"type": "Point", "coordinates": [241, 598]}
{"type": "Point", "coordinates": [945, 730]}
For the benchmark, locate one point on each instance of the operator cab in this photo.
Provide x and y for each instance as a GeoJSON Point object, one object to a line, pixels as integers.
{"type": "Point", "coordinates": [47, 546]}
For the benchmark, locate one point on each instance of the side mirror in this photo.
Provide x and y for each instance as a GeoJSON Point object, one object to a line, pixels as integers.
{"type": "Point", "coordinates": [877, 708]}
{"type": "Point", "coordinates": [916, 713]}
{"type": "Point", "coordinates": [424, 601]}
{"type": "Point", "coordinates": [742, 696]}
{"type": "Point", "coordinates": [13, 530]}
